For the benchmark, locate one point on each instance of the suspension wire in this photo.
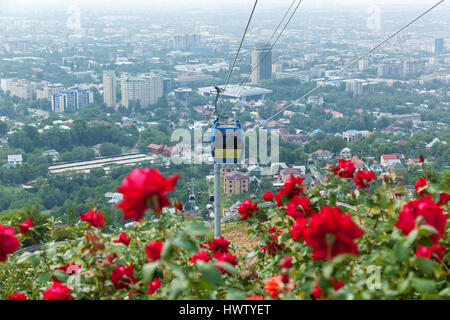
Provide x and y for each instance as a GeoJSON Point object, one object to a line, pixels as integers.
{"type": "Point", "coordinates": [354, 61]}
{"type": "Point", "coordinates": [235, 58]}
{"type": "Point", "coordinates": [268, 43]}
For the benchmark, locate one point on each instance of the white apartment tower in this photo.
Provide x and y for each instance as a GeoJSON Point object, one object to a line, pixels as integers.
{"type": "Point", "coordinates": [146, 89]}
{"type": "Point", "coordinates": [109, 88]}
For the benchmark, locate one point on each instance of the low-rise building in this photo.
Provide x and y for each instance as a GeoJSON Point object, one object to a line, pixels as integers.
{"type": "Point", "coordinates": [14, 159]}
{"type": "Point", "coordinates": [286, 173]}
{"type": "Point", "coordinates": [160, 149]}
{"type": "Point", "coordinates": [345, 153]}
{"type": "Point", "coordinates": [51, 153]}
{"type": "Point", "coordinates": [353, 135]}
{"type": "Point", "coordinates": [391, 159]}
{"type": "Point", "coordinates": [236, 183]}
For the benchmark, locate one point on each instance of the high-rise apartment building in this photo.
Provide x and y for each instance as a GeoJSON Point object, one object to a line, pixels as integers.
{"type": "Point", "coordinates": [354, 87]}
{"type": "Point", "coordinates": [438, 45]}
{"type": "Point", "coordinates": [261, 63]}
{"type": "Point", "coordinates": [5, 84]}
{"type": "Point", "coordinates": [109, 88]}
{"type": "Point", "coordinates": [146, 89]}
{"type": "Point", "coordinates": [71, 100]}
{"type": "Point", "coordinates": [23, 89]}
{"type": "Point", "coordinates": [186, 42]}
{"type": "Point", "coordinates": [46, 91]}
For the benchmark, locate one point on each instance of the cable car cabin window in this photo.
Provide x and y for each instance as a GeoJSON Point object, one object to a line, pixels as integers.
{"type": "Point", "coordinates": [227, 143]}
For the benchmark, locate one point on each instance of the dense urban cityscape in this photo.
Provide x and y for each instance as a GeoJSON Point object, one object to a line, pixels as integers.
{"type": "Point", "coordinates": [89, 92]}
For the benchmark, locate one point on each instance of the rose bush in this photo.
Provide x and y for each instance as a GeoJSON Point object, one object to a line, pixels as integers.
{"type": "Point", "coordinates": [354, 237]}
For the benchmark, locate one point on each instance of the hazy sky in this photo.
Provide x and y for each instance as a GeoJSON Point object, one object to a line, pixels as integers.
{"type": "Point", "coordinates": [215, 3]}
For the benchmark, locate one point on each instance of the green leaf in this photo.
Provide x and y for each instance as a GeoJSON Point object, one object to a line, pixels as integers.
{"type": "Point", "coordinates": [197, 228]}
{"type": "Point", "coordinates": [167, 249]}
{"type": "Point", "coordinates": [401, 251]}
{"type": "Point", "coordinates": [184, 243]}
{"type": "Point", "coordinates": [51, 251]}
{"type": "Point", "coordinates": [324, 283]}
{"type": "Point", "coordinates": [424, 285]}
{"type": "Point", "coordinates": [228, 267]}
{"type": "Point", "coordinates": [210, 273]}
{"type": "Point", "coordinates": [235, 295]}
{"type": "Point", "coordinates": [412, 236]}
{"type": "Point", "coordinates": [148, 271]}
{"type": "Point", "coordinates": [285, 236]}
{"type": "Point", "coordinates": [36, 259]}
{"type": "Point", "coordinates": [403, 285]}
{"type": "Point", "coordinates": [60, 275]}
{"type": "Point", "coordinates": [44, 277]}
{"type": "Point", "coordinates": [24, 257]}
{"type": "Point", "coordinates": [328, 270]}
{"type": "Point", "coordinates": [426, 230]}
{"type": "Point", "coordinates": [445, 292]}
{"type": "Point", "coordinates": [176, 288]}
{"type": "Point", "coordinates": [426, 265]}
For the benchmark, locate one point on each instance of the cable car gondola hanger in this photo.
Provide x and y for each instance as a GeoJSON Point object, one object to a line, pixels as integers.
{"type": "Point", "coordinates": [227, 140]}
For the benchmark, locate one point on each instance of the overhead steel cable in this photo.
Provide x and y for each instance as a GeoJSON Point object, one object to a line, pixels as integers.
{"type": "Point", "coordinates": [354, 61]}
{"type": "Point", "coordinates": [271, 47]}
{"type": "Point", "coordinates": [234, 61]}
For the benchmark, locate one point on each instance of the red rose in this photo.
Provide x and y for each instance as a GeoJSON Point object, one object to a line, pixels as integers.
{"type": "Point", "coordinates": [421, 185]}
{"type": "Point", "coordinates": [275, 286]}
{"type": "Point", "coordinates": [337, 284]}
{"type": "Point", "coordinates": [430, 212]}
{"type": "Point", "coordinates": [200, 255]}
{"type": "Point", "coordinates": [436, 252]}
{"type": "Point", "coordinates": [111, 257]}
{"type": "Point", "coordinates": [57, 291]}
{"type": "Point", "coordinates": [344, 169]}
{"type": "Point", "coordinates": [272, 246]}
{"type": "Point", "coordinates": [286, 263]}
{"type": "Point", "coordinates": [363, 178]}
{"type": "Point", "coordinates": [123, 239]}
{"type": "Point", "coordinates": [317, 291]}
{"type": "Point", "coordinates": [179, 206]}
{"type": "Point", "coordinates": [143, 189]}
{"type": "Point", "coordinates": [68, 269]}
{"type": "Point", "coordinates": [153, 286]}
{"type": "Point", "coordinates": [94, 218]}
{"type": "Point", "coordinates": [293, 186]}
{"type": "Point", "coordinates": [122, 277]}
{"type": "Point", "coordinates": [8, 241]}
{"type": "Point", "coordinates": [255, 297]}
{"type": "Point", "coordinates": [443, 198]}
{"type": "Point", "coordinates": [298, 207]}
{"type": "Point", "coordinates": [421, 159]}
{"type": "Point", "coordinates": [331, 233]}
{"type": "Point", "coordinates": [278, 197]}
{"type": "Point", "coordinates": [18, 296]}
{"type": "Point", "coordinates": [298, 229]}
{"type": "Point", "coordinates": [153, 250]}
{"type": "Point", "coordinates": [217, 245]}
{"type": "Point", "coordinates": [25, 226]}
{"type": "Point", "coordinates": [225, 257]}
{"type": "Point", "coordinates": [247, 208]}
{"type": "Point", "coordinates": [268, 196]}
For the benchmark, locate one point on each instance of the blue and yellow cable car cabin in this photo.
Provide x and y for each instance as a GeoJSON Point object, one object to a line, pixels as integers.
{"type": "Point", "coordinates": [227, 143]}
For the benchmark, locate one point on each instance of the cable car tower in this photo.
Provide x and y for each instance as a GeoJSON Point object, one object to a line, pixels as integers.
{"type": "Point", "coordinates": [227, 144]}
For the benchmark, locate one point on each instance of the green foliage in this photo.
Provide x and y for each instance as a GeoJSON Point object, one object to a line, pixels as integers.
{"type": "Point", "coordinates": [386, 266]}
